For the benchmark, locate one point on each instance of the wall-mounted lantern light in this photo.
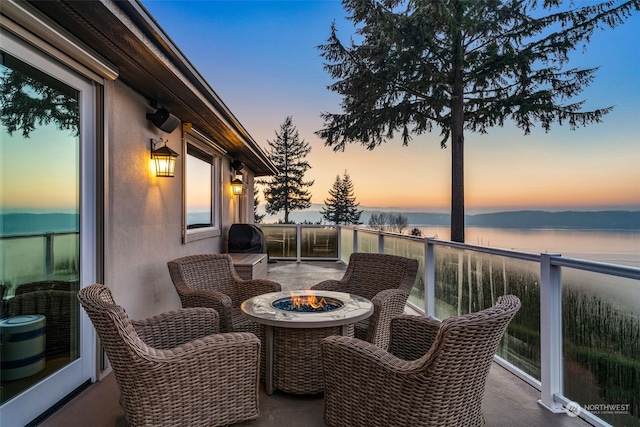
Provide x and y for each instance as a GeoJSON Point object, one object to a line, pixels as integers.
{"type": "Point", "coordinates": [236, 186]}
{"type": "Point", "coordinates": [165, 159]}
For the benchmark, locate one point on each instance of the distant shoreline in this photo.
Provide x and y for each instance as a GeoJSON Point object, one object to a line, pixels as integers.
{"type": "Point", "coordinates": [525, 219]}
{"type": "Point", "coordinates": [614, 220]}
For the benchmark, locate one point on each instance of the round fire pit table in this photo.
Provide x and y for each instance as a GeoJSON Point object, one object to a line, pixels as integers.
{"type": "Point", "coordinates": [292, 349]}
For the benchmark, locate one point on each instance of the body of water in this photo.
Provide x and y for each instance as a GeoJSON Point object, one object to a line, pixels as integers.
{"type": "Point", "coordinates": [615, 247]}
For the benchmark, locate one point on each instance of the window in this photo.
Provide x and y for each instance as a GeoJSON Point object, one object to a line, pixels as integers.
{"type": "Point", "coordinates": [201, 189]}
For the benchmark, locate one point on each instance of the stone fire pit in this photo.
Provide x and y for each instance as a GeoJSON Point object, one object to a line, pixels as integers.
{"type": "Point", "coordinates": [293, 335]}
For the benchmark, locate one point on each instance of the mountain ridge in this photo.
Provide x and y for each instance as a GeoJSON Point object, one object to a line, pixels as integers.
{"type": "Point", "coordinates": [30, 223]}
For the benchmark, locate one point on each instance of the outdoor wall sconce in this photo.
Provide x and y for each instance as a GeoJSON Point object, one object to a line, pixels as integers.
{"type": "Point", "coordinates": [165, 159]}
{"type": "Point", "coordinates": [236, 186]}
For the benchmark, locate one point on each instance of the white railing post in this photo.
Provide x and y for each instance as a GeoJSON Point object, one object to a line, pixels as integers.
{"type": "Point", "coordinates": [380, 243]}
{"type": "Point", "coordinates": [48, 255]}
{"type": "Point", "coordinates": [550, 333]}
{"type": "Point", "coordinates": [355, 240]}
{"type": "Point", "coordinates": [429, 278]}
{"type": "Point", "coordinates": [299, 243]}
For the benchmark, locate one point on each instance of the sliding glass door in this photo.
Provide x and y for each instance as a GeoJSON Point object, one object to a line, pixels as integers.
{"type": "Point", "coordinates": [47, 229]}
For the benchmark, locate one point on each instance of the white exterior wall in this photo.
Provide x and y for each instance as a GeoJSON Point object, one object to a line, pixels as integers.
{"type": "Point", "coordinates": [143, 213]}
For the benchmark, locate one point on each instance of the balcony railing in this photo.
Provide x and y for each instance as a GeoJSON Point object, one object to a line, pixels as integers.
{"type": "Point", "coordinates": [576, 338]}
{"type": "Point", "coordinates": [28, 258]}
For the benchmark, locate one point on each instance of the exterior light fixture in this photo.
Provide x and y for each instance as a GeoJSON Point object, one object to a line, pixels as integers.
{"type": "Point", "coordinates": [236, 186]}
{"type": "Point", "coordinates": [165, 159]}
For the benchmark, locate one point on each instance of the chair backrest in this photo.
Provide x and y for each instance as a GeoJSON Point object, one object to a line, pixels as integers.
{"type": "Point", "coordinates": [47, 285]}
{"type": "Point", "coordinates": [114, 328]}
{"type": "Point", "coordinates": [459, 360]}
{"type": "Point", "coordinates": [204, 272]}
{"type": "Point", "coordinates": [369, 273]}
{"type": "Point", "coordinates": [60, 309]}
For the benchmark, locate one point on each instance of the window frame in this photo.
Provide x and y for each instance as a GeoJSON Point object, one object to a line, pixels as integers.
{"type": "Point", "coordinates": [201, 143]}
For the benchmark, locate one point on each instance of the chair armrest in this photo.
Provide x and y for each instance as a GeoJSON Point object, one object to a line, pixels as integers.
{"type": "Point", "coordinates": [209, 298]}
{"type": "Point", "coordinates": [387, 304]}
{"type": "Point", "coordinates": [246, 289]}
{"type": "Point", "coordinates": [352, 363]}
{"type": "Point", "coordinates": [171, 329]}
{"type": "Point", "coordinates": [221, 345]}
{"type": "Point", "coordinates": [329, 285]}
{"type": "Point", "coordinates": [412, 336]}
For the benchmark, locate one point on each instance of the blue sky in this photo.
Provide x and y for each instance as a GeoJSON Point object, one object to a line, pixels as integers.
{"type": "Point", "coordinates": [261, 59]}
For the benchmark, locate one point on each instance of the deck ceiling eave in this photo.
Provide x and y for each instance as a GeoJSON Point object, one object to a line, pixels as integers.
{"type": "Point", "coordinates": [152, 65]}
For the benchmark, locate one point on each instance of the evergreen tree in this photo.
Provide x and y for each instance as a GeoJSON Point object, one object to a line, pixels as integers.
{"type": "Point", "coordinates": [28, 102]}
{"type": "Point", "coordinates": [341, 206]}
{"type": "Point", "coordinates": [460, 65]}
{"type": "Point", "coordinates": [256, 202]}
{"type": "Point", "coordinates": [287, 191]}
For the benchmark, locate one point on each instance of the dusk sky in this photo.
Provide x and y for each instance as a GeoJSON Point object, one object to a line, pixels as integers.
{"type": "Point", "coordinates": [261, 58]}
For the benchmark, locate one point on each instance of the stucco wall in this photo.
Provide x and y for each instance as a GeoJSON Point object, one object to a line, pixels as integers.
{"type": "Point", "coordinates": [143, 214]}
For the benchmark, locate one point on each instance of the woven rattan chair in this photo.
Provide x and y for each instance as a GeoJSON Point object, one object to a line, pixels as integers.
{"type": "Point", "coordinates": [434, 374]}
{"type": "Point", "coordinates": [211, 281]}
{"type": "Point", "coordinates": [59, 307]}
{"type": "Point", "coordinates": [173, 369]}
{"type": "Point", "coordinates": [384, 279]}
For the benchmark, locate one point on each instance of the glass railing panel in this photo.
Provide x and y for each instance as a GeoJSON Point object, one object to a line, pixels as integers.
{"type": "Point", "coordinates": [468, 281]}
{"type": "Point", "coordinates": [66, 256]}
{"type": "Point", "coordinates": [601, 344]}
{"type": "Point", "coordinates": [367, 241]}
{"type": "Point", "coordinates": [409, 248]}
{"type": "Point", "coordinates": [281, 240]}
{"type": "Point", "coordinates": [346, 243]}
{"type": "Point", "coordinates": [23, 261]}
{"type": "Point", "coordinates": [319, 242]}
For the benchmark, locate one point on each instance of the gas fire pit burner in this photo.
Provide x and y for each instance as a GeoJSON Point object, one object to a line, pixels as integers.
{"type": "Point", "coordinates": [307, 304]}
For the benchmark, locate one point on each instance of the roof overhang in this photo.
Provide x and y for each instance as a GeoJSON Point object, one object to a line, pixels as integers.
{"type": "Point", "coordinates": [147, 60]}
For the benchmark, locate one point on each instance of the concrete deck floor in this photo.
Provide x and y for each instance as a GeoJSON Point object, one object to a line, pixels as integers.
{"type": "Point", "coordinates": [508, 401]}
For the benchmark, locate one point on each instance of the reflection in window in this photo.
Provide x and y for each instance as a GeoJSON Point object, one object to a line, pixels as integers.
{"type": "Point", "coordinates": [199, 189]}
{"type": "Point", "coordinates": [39, 224]}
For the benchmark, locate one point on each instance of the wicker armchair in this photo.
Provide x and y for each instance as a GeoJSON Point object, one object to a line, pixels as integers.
{"type": "Point", "coordinates": [434, 375]}
{"type": "Point", "coordinates": [60, 309]}
{"type": "Point", "coordinates": [211, 281]}
{"type": "Point", "coordinates": [173, 369]}
{"type": "Point", "coordinates": [386, 280]}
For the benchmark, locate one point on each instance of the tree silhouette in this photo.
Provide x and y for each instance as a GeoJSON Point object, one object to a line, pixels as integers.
{"type": "Point", "coordinates": [341, 206]}
{"type": "Point", "coordinates": [256, 202]}
{"type": "Point", "coordinates": [388, 221]}
{"type": "Point", "coordinates": [286, 190]}
{"type": "Point", "coordinates": [460, 65]}
{"type": "Point", "coordinates": [27, 102]}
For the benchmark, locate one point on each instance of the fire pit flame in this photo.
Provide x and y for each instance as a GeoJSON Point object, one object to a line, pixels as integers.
{"type": "Point", "coordinates": [307, 304]}
{"type": "Point", "coordinates": [297, 301]}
